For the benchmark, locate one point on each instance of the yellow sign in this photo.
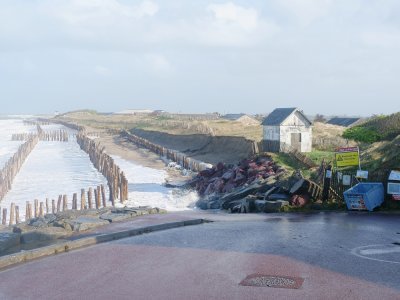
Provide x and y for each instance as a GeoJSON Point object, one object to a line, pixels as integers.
{"type": "Point", "coordinates": [345, 159]}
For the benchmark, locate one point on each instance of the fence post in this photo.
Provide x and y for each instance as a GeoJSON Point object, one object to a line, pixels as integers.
{"type": "Point", "coordinates": [36, 203]}
{"type": "Point", "coordinates": [29, 211]}
{"type": "Point", "coordinates": [4, 219]}
{"type": "Point", "coordinates": [75, 201]}
{"type": "Point", "coordinates": [83, 200]}
{"type": "Point", "coordinates": [12, 214]}
{"type": "Point", "coordinates": [17, 215]}
{"type": "Point", "coordinates": [103, 195]}
{"type": "Point", "coordinates": [59, 203]}
{"type": "Point", "coordinates": [327, 183]}
{"type": "Point", "coordinates": [90, 195]}
{"type": "Point", "coordinates": [65, 202]}
{"type": "Point", "coordinates": [41, 210]}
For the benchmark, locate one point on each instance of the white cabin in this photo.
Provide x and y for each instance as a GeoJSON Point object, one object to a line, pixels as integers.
{"type": "Point", "coordinates": [285, 129]}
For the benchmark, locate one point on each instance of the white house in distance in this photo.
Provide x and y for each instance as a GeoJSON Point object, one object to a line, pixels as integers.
{"type": "Point", "coordinates": [287, 128]}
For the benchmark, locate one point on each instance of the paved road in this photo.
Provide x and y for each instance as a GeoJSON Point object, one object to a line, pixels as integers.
{"type": "Point", "coordinates": [339, 256]}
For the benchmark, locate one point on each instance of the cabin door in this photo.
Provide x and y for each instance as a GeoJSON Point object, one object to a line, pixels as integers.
{"type": "Point", "coordinates": [296, 141]}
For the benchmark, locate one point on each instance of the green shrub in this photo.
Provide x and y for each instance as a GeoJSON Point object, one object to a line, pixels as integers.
{"type": "Point", "coordinates": [362, 134]}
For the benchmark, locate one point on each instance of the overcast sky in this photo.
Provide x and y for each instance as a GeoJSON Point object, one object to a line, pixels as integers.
{"type": "Point", "coordinates": [324, 56]}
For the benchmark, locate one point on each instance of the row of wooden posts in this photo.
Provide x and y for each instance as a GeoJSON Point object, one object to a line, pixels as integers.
{"type": "Point", "coordinates": [22, 136]}
{"type": "Point", "coordinates": [56, 135]}
{"type": "Point", "coordinates": [117, 182]}
{"type": "Point", "coordinates": [36, 122]}
{"type": "Point", "coordinates": [176, 156]}
{"type": "Point", "coordinates": [66, 124]}
{"type": "Point", "coordinates": [14, 164]}
{"type": "Point", "coordinates": [93, 199]}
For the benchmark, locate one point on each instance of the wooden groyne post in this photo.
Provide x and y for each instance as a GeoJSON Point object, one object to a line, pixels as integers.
{"type": "Point", "coordinates": [14, 164]}
{"type": "Point", "coordinates": [176, 156]}
{"type": "Point", "coordinates": [117, 182]}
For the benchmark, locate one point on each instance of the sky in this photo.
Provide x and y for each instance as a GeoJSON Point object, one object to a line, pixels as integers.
{"type": "Point", "coordinates": [332, 57]}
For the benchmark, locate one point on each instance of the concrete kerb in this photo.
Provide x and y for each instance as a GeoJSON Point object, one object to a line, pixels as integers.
{"type": "Point", "coordinates": [29, 255]}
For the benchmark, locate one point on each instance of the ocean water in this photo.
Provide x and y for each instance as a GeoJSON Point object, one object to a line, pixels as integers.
{"type": "Point", "coordinates": [55, 168]}
{"type": "Point", "coordinates": [52, 169]}
{"type": "Point", "coordinates": [146, 188]}
{"type": "Point", "coordinates": [7, 129]}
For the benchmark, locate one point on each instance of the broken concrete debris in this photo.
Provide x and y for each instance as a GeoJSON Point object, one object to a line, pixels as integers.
{"type": "Point", "coordinates": [254, 185]}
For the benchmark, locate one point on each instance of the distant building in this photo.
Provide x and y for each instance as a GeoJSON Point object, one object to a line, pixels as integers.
{"type": "Point", "coordinates": [232, 117]}
{"type": "Point", "coordinates": [192, 117]}
{"type": "Point", "coordinates": [344, 122]}
{"type": "Point", "coordinates": [242, 118]}
{"type": "Point", "coordinates": [287, 128]}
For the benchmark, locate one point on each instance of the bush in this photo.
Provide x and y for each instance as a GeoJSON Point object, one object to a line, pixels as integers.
{"type": "Point", "coordinates": [376, 129]}
{"type": "Point", "coordinates": [362, 134]}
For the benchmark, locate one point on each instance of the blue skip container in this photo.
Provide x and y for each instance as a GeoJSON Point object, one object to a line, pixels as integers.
{"type": "Point", "coordinates": [364, 196]}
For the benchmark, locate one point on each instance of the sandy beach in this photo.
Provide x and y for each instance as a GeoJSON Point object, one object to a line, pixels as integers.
{"type": "Point", "coordinates": [118, 146]}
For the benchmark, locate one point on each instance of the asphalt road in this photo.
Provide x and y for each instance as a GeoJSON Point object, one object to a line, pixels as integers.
{"type": "Point", "coordinates": [338, 255]}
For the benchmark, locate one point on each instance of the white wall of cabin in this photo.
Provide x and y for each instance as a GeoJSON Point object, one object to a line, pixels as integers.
{"type": "Point", "coordinates": [295, 123]}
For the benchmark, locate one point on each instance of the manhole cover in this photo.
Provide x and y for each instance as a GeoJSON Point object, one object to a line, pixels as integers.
{"type": "Point", "coordinates": [273, 281]}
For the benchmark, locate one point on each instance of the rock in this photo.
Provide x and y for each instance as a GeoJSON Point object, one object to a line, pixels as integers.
{"type": "Point", "coordinates": [275, 206]}
{"type": "Point", "coordinates": [299, 200]}
{"type": "Point", "coordinates": [68, 214]}
{"type": "Point", "coordinates": [84, 223]}
{"type": "Point", "coordinates": [63, 224]}
{"type": "Point", "coordinates": [152, 211]}
{"type": "Point", "coordinates": [111, 217]}
{"type": "Point", "coordinates": [202, 204]}
{"type": "Point", "coordinates": [214, 204]}
{"type": "Point", "coordinates": [243, 192]}
{"type": "Point", "coordinates": [280, 196]}
{"type": "Point", "coordinates": [298, 187]}
{"type": "Point", "coordinates": [50, 218]}
{"type": "Point", "coordinates": [234, 206]}
{"type": "Point", "coordinates": [38, 222]}
{"type": "Point", "coordinates": [260, 205]}
{"type": "Point", "coordinates": [22, 228]}
{"type": "Point", "coordinates": [44, 234]}
{"type": "Point", "coordinates": [228, 175]}
{"type": "Point", "coordinates": [161, 210]}
{"type": "Point", "coordinates": [8, 240]}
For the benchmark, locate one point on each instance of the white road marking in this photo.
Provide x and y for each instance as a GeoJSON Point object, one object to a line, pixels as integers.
{"type": "Point", "coordinates": [379, 251]}
{"type": "Point", "coordinates": [372, 249]}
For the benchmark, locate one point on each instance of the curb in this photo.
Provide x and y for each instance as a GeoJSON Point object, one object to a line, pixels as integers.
{"type": "Point", "coordinates": [25, 256]}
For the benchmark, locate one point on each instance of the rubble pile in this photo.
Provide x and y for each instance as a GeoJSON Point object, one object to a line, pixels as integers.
{"type": "Point", "coordinates": [251, 186]}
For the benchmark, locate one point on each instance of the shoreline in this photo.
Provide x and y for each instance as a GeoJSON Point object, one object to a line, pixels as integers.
{"type": "Point", "coordinates": [118, 146]}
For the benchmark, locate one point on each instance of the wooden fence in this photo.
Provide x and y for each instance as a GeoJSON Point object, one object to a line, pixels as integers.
{"type": "Point", "coordinates": [176, 156]}
{"type": "Point", "coordinates": [14, 164]}
{"type": "Point", "coordinates": [334, 186]}
{"type": "Point", "coordinates": [92, 199]}
{"type": "Point", "coordinates": [55, 135]}
{"type": "Point", "coordinates": [117, 182]}
{"type": "Point", "coordinates": [36, 122]}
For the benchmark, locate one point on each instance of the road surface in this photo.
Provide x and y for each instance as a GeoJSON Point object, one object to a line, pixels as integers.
{"type": "Point", "coordinates": [333, 255]}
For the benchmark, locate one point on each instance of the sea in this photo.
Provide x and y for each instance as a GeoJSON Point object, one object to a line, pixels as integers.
{"type": "Point", "coordinates": [58, 168]}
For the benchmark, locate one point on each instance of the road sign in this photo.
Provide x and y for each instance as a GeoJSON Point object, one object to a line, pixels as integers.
{"type": "Point", "coordinates": [348, 156]}
{"type": "Point", "coordinates": [362, 174]}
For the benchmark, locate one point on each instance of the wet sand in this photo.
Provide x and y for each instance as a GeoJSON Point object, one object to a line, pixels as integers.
{"type": "Point", "coordinates": [115, 145]}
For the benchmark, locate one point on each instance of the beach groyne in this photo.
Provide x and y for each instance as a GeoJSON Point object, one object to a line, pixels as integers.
{"type": "Point", "coordinates": [14, 164]}
{"type": "Point", "coordinates": [93, 198]}
{"type": "Point", "coordinates": [105, 164]}
{"type": "Point", "coordinates": [180, 158]}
